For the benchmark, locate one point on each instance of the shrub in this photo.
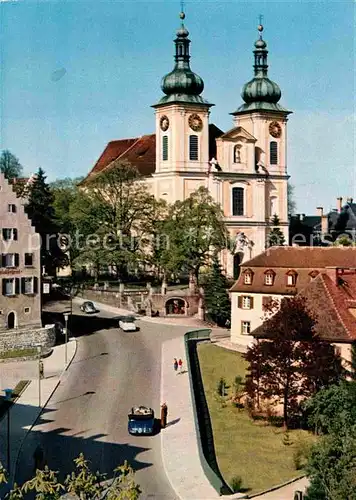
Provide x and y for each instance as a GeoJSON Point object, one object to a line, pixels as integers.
{"type": "Point", "coordinates": [220, 389]}
{"type": "Point", "coordinates": [301, 454]}
{"type": "Point", "coordinates": [236, 484]}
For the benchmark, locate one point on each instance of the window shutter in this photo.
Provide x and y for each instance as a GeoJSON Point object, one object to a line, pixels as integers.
{"type": "Point", "coordinates": [251, 302]}
{"type": "Point", "coordinates": [239, 302]}
{"type": "Point", "coordinates": [3, 260]}
{"type": "Point", "coordinates": [22, 285]}
{"type": "Point", "coordinates": [35, 284]}
{"type": "Point", "coordinates": [193, 147]}
{"type": "Point", "coordinates": [15, 234]}
{"type": "Point", "coordinates": [17, 260]}
{"type": "Point", "coordinates": [165, 147]}
{"type": "Point", "coordinates": [3, 286]}
{"type": "Point", "coordinates": [273, 153]}
{"type": "Point", "coordinates": [17, 286]}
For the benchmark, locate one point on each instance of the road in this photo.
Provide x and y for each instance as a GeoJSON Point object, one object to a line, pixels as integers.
{"type": "Point", "coordinates": [111, 372]}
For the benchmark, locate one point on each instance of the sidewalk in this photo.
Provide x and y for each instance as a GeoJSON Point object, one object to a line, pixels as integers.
{"type": "Point", "coordinates": [26, 410]}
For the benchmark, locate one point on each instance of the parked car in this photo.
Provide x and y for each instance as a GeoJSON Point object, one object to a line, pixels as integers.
{"type": "Point", "coordinates": [127, 324]}
{"type": "Point", "coordinates": [141, 420]}
{"type": "Point", "coordinates": [88, 307]}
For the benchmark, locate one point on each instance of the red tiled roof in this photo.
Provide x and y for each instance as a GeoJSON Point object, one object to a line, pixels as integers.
{"type": "Point", "coordinates": [305, 257]}
{"type": "Point", "coordinates": [141, 152]}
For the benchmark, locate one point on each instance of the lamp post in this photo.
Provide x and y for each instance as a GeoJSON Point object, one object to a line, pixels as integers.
{"type": "Point", "coordinates": [8, 397]}
{"type": "Point", "coordinates": [66, 316]}
{"type": "Point", "coordinates": [39, 350]}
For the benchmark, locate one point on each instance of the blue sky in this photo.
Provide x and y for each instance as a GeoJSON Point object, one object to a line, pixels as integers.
{"type": "Point", "coordinates": [76, 74]}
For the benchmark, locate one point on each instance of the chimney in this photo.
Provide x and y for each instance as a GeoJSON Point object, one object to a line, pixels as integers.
{"type": "Point", "coordinates": [350, 200]}
{"type": "Point", "coordinates": [339, 203]}
{"type": "Point", "coordinates": [302, 217]}
{"type": "Point", "coordinates": [324, 224]}
{"type": "Point", "coordinates": [319, 211]}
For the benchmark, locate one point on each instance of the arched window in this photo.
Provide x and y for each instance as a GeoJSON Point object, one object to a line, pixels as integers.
{"type": "Point", "coordinates": [273, 153]}
{"type": "Point", "coordinates": [165, 147]}
{"type": "Point", "coordinates": [237, 201]}
{"type": "Point", "coordinates": [193, 147]}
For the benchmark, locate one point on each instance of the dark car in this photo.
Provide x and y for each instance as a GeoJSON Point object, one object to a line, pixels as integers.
{"type": "Point", "coordinates": [89, 307]}
{"type": "Point", "coordinates": [141, 420]}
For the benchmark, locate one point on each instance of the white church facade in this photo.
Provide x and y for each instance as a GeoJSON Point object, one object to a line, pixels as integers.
{"type": "Point", "coordinates": [244, 169]}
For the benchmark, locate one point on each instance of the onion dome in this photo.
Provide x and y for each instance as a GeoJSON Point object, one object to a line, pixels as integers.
{"type": "Point", "coordinates": [261, 93]}
{"type": "Point", "coordinates": [181, 84]}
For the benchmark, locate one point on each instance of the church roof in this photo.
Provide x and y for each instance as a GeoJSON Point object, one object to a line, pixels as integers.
{"type": "Point", "coordinates": [141, 152]}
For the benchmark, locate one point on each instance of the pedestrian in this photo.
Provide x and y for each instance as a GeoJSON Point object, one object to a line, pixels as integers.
{"type": "Point", "coordinates": [175, 365]}
{"type": "Point", "coordinates": [180, 364]}
{"type": "Point", "coordinates": [164, 413]}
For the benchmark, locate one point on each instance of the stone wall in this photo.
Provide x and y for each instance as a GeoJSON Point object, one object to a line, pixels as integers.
{"type": "Point", "coordinates": [24, 338]}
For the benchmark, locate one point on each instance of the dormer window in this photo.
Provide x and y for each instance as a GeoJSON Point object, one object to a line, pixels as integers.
{"type": "Point", "coordinates": [269, 277]}
{"type": "Point", "coordinates": [291, 278]}
{"type": "Point", "coordinates": [313, 274]}
{"type": "Point", "coordinates": [248, 275]}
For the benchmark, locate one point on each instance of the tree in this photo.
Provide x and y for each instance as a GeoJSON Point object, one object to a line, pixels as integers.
{"type": "Point", "coordinates": [275, 236]}
{"type": "Point", "coordinates": [217, 301]}
{"type": "Point", "coordinates": [114, 208]}
{"type": "Point", "coordinates": [82, 484]}
{"type": "Point", "coordinates": [10, 165]}
{"type": "Point", "coordinates": [292, 205]}
{"type": "Point", "coordinates": [292, 363]}
{"type": "Point", "coordinates": [195, 232]}
{"type": "Point", "coordinates": [332, 463]}
{"type": "Point", "coordinates": [40, 210]}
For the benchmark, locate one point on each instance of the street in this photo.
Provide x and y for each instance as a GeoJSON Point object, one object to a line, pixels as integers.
{"type": "Point", "coordinates": [111, 372]}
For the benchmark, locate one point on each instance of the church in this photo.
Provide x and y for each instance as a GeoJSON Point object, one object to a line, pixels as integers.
{"type": "Point", "coordinates": [244, 169]}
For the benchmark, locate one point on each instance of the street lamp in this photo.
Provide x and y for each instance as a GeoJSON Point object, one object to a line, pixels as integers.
{"type": "Point", "coordinates": [39, 350]}
{"type": "Point", "coordinates": [66, 316]}
{"type": "Point", "coordinates": [8, 397]}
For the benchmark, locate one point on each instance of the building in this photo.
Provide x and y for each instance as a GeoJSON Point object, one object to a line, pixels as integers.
{"type": "Point", "coordinates": [245, 168]}
{"type": "Point", "coordinates": [281, 272]}
{"type": "Point", "coordinates": [20, 270]}
{"type": "Point", "coordinates": [324, 228]}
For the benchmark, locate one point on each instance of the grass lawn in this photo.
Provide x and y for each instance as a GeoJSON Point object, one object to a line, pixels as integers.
{"type": "Point", "coordinates": [253, 450]}
{"type": "Point", "coordinates": [18, 353]}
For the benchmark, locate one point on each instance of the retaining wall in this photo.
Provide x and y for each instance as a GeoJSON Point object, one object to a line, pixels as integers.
{"type": "Point", "coordinates": [23, 338]}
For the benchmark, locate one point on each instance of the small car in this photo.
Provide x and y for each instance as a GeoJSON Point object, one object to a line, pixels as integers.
{"type": "Point", "coordinates": [141, 420]}
{"type": "Point", "coordinates": [88, 307]}
{"type": "Point", "coordinates": [127, 324]}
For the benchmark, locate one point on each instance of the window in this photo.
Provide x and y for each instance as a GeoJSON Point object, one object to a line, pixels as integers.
{"type": "Point", "coordinates": [165, 147]}
{"type": "Point", "coordinates": [193, 147]}
{"type": "Point", "coordinates": [11, 208]}
{"type": "Point", "coordinates": [266, 302]}
{"type": "Point", "coordinates": [28, 259]}
{"type": "Point", "coordinates": [27, 285]}
{"type": "Point", "coordinates": [10, 286]}
{"type": "Point", "coordinates": [237, 201]}
{"type": "Point", "coordinates": [245, 327]}
{"type": "Point", "coordinates": [291, 279]}
{"type": "Point", "coordinates": [247, 302]}
{"type": "Point", "coordinates": [248, 278]}
{"type": "Point", "coordinates": [269, 278]}
{"type": "Point", "coordinates": [273, 153]}
{"type": "Point", "coordinates": [9, 260]}
{"type": "Point", "coordinates": [9, 234]}
{"type": "Point", "coordinates": [27, 310]}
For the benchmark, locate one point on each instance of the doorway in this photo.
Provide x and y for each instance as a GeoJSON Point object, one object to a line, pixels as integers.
{"type": "Point", "coordinates": [11, 320]}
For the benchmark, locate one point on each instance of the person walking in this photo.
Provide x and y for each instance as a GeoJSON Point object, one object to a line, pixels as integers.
{"type": "Point", "coordinates": [175, 365]}
{"type": "Point", "coordinates": [180, 364]}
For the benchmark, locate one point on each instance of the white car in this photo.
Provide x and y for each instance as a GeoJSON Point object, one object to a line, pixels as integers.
{"type": "Point", "coordinates": [127, 324]}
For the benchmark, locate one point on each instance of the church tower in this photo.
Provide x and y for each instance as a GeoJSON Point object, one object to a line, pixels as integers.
{"type": "Point", "coordinates": [253, 160]}
{"type": "Point", "coordinates": [182, 128]}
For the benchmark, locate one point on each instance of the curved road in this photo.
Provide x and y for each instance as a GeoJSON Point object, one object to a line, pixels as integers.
{"type": "Point", "coordinates": [111, 372]}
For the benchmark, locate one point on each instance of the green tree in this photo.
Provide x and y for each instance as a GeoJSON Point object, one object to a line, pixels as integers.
{"type": "Point", "coordinates": [115, 208]}
{"type": "Point", "coordinates": [292, 363]}
{"type": "Point", "coordinates": [40, 210]}
{"type": "Point", "coordinates": [82, 484]}
{"type": "Point", "coordinates": [10, 165]}
{"type": "Point", "coordinates": [275, 236]}
{"type": "Point", "coordinates": [292, 205]}
{"type": "Point", "coordinates": [217, 301]}
{"type": "Point", "coordinates": [195, 232]}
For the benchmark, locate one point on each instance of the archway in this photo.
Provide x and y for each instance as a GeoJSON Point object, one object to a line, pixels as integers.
{"type": "Point", "coordinates": [237, 262]}
{"type": "Point", "coordinates": [176, 306]}
{"type": "Point", "coordinates": [11, 320]}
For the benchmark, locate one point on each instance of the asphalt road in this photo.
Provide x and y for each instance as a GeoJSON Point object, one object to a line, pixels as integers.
{"type": "Point", "coordinates": [111, 372]}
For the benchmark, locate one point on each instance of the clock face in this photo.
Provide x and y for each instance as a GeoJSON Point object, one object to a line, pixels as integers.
{"type": "Point", "coordinates": [275, 129]}
{"type": "Point", "coordinates": [164, 123]}
{"type": "Point", "coordinates": [195, 122]}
